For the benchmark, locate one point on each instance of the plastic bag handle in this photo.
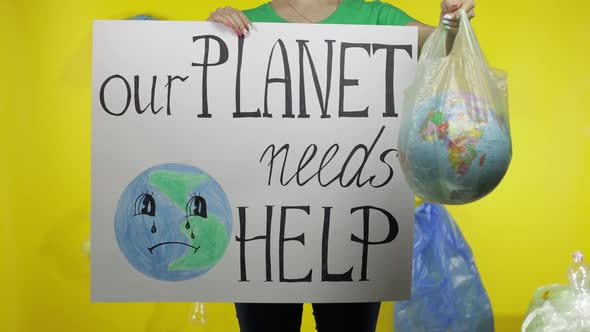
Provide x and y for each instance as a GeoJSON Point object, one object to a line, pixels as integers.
{"type": "Point", "coordinates": [466, 42]}
{"type": "Point", "coordinates": [435, 46]}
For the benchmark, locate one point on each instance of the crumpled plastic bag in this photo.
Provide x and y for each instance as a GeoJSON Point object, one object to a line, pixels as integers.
{"type": "Point", "coordinates": [562, 308]}
{"type": "Point", "coordinates": [142, 17]}
{"type": "Point", "coordinates": [447, 292]}
{"type": "Point", "coordinates": [454, 141]}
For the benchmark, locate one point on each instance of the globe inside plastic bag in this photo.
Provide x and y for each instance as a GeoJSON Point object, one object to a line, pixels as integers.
{"type": "Point", "coordinates": [561, 308]}
{"type": "Point", "coordinates": [454, 143]}
{"type": "Point", "coordinates": [447, 292]}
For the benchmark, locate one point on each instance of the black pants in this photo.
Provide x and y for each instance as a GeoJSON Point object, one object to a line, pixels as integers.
{"type": "Point", "coordinates": [286, 317]}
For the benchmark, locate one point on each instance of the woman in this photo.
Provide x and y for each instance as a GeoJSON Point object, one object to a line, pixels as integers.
{"type": "Point", "coordinates": [337, 12]}
{"type": "Point", "coordinates": [354, 317]}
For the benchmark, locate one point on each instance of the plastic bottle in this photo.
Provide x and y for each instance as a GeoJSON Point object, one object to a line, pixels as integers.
{"type": "Point", "coordinates": [198, 314]}
{"type": "Point", "coordinates": [579, 273]}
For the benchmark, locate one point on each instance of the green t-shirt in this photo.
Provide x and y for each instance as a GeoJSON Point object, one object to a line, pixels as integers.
{"type": "Point", "coordinates": [348, 12]}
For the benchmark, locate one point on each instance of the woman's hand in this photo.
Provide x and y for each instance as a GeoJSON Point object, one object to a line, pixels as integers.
{"type": "Point", "coordinates": [233, 18]}
{"type": "Point", "coordinates": [449, 14]}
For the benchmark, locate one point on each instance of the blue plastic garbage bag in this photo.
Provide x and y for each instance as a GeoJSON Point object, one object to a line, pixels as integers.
{"type": "Point", "coordinates": [142, 18]}
{"type": "Point", "coordinates": [447, 292]}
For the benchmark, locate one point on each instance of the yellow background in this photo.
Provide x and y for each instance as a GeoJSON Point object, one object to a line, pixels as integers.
{"type": "Point", "coordinates": [522, 234]}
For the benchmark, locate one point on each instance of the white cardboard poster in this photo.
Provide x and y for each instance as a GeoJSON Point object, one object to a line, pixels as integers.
{"type": "Point", "coordinates": [257, 169]}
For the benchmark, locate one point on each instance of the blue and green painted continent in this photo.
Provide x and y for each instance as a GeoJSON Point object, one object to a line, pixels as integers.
{"type": "Point", "coordinates": [207, 234]}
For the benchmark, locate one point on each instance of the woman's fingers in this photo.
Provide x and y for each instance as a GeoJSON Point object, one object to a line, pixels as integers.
{"type": "Point", "coordinates": [240, 24]}
{"type": "Point", "coordinates": [468, 6]}
{"type": "Point", "coordinates": [452, 17]}
{"type": "Point", "coordinates": [245, 19]}
{"type": "Point", "coordinates": [233, 18]}
{"type": "Point", "coordinates": [234, 24]}
{"type": "Point", "coordinates": [215, 17]}
{"type": "Point", "coordinates": [450, 23]}
{"type": "Point", "coordinates": [450, 9]}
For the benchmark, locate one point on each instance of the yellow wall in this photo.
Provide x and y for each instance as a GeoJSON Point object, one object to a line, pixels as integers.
{"type": "Point", "coordinates": [522, 234]}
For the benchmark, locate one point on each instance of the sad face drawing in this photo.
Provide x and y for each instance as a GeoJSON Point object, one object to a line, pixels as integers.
{"type": "Point", "coordinates": [173, 222]}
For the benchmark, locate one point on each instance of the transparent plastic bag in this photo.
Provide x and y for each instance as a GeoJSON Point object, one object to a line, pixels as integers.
{"type": "Point", "coordinates": [447, 292]}
{"type": "Point", "coordinates": [454, 142]}
{"type": "Point", "coordinates": [562, 308]}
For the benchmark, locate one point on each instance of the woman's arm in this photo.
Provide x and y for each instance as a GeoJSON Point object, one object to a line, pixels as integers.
{"type": "Point", "coordinates": [424, 31]}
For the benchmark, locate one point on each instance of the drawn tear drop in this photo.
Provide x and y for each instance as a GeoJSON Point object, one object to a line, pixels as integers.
{"type": "Point", "coordinates": [187, 225]}
{"type": "Point", "coordinates": [154, 227]}
{"type": "Point", "coordinates": [192, 235]}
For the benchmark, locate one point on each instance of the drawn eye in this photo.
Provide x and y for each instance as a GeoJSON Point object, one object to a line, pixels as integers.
{"type": "Point", "coordinates": [196, 206]}
{"type": "Point", "coordinates": [145, 204]}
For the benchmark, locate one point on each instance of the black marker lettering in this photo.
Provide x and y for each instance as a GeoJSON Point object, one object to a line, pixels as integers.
{"type": "Point", "coordinates": [389, 66]}
{"type": "Point", "coordinates": [169, 86]}
{"type": "Point", "coordinates": [242, 240]}
{"type": "Point", "coordinates": [322, 101]}
{"type": "Point", "coordinates": [283, 239]}
{"type": "Point", "coordinates": [223, 56]}
{"type": "Point", "coordinates": [327, 276]}
{"type": "Point", "coordinates": [102, 96]}
{"type": "Point", "coordinates": [391, 235]}
{"type": "Point", "coordinates": [350, 82]}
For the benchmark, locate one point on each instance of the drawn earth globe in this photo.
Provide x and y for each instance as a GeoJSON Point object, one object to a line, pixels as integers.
{"type": "Point", "coordinates": [173, 222]}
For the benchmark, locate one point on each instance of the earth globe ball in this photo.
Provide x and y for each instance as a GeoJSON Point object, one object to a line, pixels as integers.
{"type": "Point", "coordinates": [455, 148]}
